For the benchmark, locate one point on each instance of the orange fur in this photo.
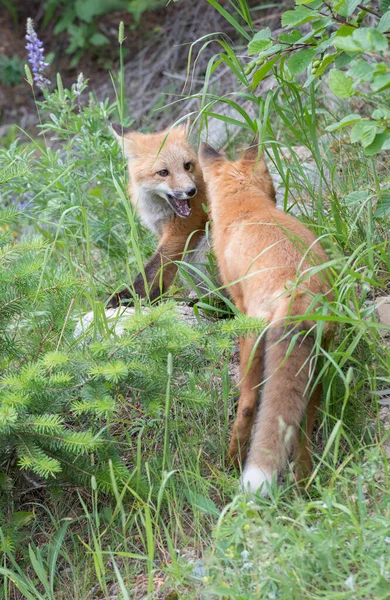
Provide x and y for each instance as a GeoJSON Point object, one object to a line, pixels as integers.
{"type": "Point", "coordinates": [266, 260]}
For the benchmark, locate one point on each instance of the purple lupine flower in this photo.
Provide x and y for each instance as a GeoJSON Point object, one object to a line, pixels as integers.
{"type": "Point", "coordinates": [36, 57]}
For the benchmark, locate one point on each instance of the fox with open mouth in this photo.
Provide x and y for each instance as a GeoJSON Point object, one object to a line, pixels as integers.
{"type": "Point", "coordinates": [168, 192]}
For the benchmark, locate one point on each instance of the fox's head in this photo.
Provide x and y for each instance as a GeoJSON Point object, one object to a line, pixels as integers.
{"type": "Point", "coordinates": [249, 171]}
{"type": "Point", "coordinates": [162, 164]}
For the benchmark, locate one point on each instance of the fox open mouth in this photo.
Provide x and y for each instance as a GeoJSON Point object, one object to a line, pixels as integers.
{"type": "Point", "coordinates": [181, 207]}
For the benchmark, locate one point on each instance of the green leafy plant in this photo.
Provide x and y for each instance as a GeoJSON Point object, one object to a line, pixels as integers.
{"type": "Point", "coordinates": [11, 70]}
{"type": "Point", "coordinates": [78, 19]}
{"type": "Point", "coordinates": [334, 41]}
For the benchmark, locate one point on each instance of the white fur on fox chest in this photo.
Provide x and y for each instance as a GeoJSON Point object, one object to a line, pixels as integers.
{"type": "Point", "coordinates": [153, 210]}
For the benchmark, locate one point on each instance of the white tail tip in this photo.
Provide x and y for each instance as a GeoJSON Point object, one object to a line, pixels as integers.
{"type": "Point", "coordinates": [254, 479]}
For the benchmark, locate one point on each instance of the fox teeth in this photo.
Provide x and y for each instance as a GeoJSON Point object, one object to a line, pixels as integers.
{"type": "Point", "coordinates": [180, 206]}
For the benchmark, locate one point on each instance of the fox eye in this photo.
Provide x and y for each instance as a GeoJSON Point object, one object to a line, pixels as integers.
{"type": "Point", "coordinates": [187, 166]}
{"type": "Point", "coordinates": [163, 173]}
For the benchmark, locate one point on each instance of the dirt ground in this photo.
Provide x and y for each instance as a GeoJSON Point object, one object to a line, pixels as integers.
{"type": "Point", "coordinates": [156, 52]}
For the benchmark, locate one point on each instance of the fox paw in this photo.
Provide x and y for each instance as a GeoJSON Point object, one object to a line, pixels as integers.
{"type": "Point", "coordinates": [121, 299]}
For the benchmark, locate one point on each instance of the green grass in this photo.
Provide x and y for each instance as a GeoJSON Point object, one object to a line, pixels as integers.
{"type": "Point", "coordinates": [175, 502]}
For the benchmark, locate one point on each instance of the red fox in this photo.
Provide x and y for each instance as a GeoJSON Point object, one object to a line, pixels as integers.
{"type": "Point", "coordinates": [270, 263]}
{"type": "Point", "coordinates": [167, 189]}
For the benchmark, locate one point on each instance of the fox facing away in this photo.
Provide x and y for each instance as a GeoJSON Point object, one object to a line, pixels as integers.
{"type": "Point", "coordinates": [266, 260]}
{"type": "Point", "coordinates": [167, 189]}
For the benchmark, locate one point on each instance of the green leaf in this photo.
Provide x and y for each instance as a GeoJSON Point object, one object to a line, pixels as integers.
{"type": "Point", "coordinates": [364, 132]}
{"type": "Point", "coordinates": [22, 518]}
{"type": "Point", "coordinates": [361, 69]}
{"type": "Point", "coordinates": [380, 82]}
{"type": "Point", "coordinates": [352, 6]}
{"type": "Point", "coordinates": [380, 143]}
{"type": "Point", "coordinates": [326, 61]}
{"type": "Point", "coordinates": [290, 38]}
{"type": "Point", "coordinates": [300, 15]}
{"type": "Point", "coordinates": [340, 84]}
{"type": "Point", "coordinates": [381, 113]}
{"type": "Point", "coordinates": [370, 39]}
{"type": "Point", "coordinates": [263, 71]}
{"type": "Point", "coordinates": [384, 5]}
{"type": "Point", "coordinates": [263, 34]}
{"type": "Point", "coordinates": [98, 39]}
{"type": "Point", "coordinates": [355, 197]}
{"type": "Point", "coordinates": [202, 503]}
{"type": "Point", "coordinates": [348, 120]}
{"type": "Point", "coordinates": [383, 207]}
{"type": "Point", "coordinates": [384, 23]}
{"type": "Point", "coordinates": [347, 43]}
{"type": "Point", "coordinates": [300, 60]}
{"type": "Point", "coordinates": [229, 18]}
{"type": "Point", "coordinates": [257, 46]}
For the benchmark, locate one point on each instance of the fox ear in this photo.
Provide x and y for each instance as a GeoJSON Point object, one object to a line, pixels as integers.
{"type": "Point", "coordinates": [119, 130]}
{"type": "Point", "coordinates": [208, 156]}
{"type": "Point", "coordinates": [125, 137]}
{"type": "Point", "coordinates": [183, 127]}
{"type": "Point", "coordinates": [252, 152]}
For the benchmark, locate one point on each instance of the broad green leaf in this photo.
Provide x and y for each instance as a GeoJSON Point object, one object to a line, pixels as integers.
{"type": "Point", "coordinates": [361, 69]}
{"type": "Point", "coordinates": [98, 39]}
{"type": "Point", "coordinates": [290, 38]}
{"type": "Point", "coordinates": [345, 30]}
{"type": "Point", "coordinates": [300, 15]}
{"type": "Point", "coordinates": [202, 503]}
{"type": "Point", "coordinates": [352, 6]}
{"type": "Point", "coordinates": [383, 207]}
{"type": "Point", "coordinates": [22, 518]}
{"type": "Point", "coordinates": [257, 46]}
{"type": "Point", "coordinates": [341, 7]}
{"type": "Point", "coordinates": [355, 197]}
{"type": "Point", "coordinates": [343, 60]}
{"type": "Point", "coordinates": [300, 60]}
{"type": "Point", "coordinates": [381, 113]}
{"type": "Point", "coordinates": [340, 84]}
{"type": "Point", "coordinates": [384, 5]}
{"type": "Point", "coordinates": [364, 132]}
{"type": "Point", "coordinates": [348, 120]}
{"type": "Point", "coordinates": [380, 143]}
{"type": "Point", "coordinates": [263, 34]}
{"type": "Point", "coordinates": [380, 82]}
{"type": "Point", "coordinates": [321, 24]}
{"type": "Point", "coordinates": [347, 43]}
{"type": "Point", "coordinates": [384, 23]}
{"type": "Point", "coordinates": [370, 39]}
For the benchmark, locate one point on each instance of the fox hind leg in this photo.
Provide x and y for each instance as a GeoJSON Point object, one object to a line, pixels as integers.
{"type": "Point", "coordinates": [247, 405]}
{"type": "Point", "coordinates": [302, 448]}
{"type": "Point", "coordinates": [282, 409]}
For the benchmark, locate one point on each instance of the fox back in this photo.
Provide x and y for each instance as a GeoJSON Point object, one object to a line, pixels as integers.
{"type": "Point", "coordinates": [271, 265]}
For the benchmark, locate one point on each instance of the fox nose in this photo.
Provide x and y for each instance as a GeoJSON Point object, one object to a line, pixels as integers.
{"type": "Point", "coordinates": [191, 191]}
